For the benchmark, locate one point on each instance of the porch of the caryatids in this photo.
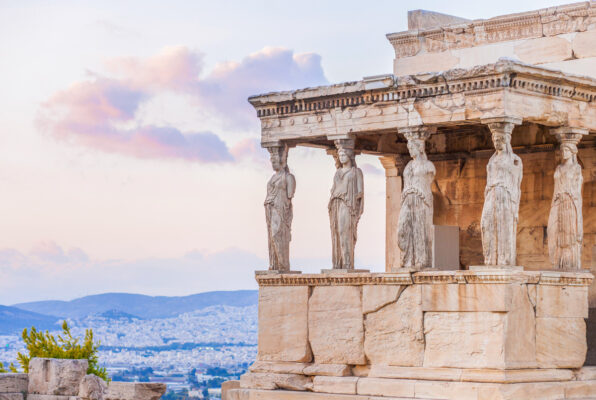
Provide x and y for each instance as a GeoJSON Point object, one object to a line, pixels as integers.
{"type": "Point", "coordinates": [501, 195]}
{"type": "Point", "coordinates": [565, 221]}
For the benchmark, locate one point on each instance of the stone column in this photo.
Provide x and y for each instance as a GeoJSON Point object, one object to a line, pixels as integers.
{"type": "Point", "coordinates": [565, 221]}
{"type": "Point", "coordinates": [501, 196]}
{"type": "Point", "coordinates": [393, 166]}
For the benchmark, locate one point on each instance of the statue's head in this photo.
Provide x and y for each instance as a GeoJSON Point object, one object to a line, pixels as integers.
{"type": "Point", "coordinates": [568, 151]}
{"type": "Point", "coordinates": [416, 147]}
{"type": "Point", "coordinates": [345, 156]}
{"type": "Point", "coordinates": [279, 157]}
{"type": "Point", "coordinates": [501, 141]}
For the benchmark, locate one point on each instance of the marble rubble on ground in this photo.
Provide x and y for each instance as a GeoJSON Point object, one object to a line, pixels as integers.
{"type": "Point", "coordinates": [58, 379]}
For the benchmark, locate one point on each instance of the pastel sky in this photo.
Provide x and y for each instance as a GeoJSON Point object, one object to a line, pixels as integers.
{"type": "Point", "coordinates": [130, 158]}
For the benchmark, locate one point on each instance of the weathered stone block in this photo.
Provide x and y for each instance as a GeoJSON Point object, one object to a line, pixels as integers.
{"type": "Point", "coordinates": [376, 296]}
{"type": "Point", "coordinates": [544, 50]}
{"type": "Point", "coordinates": [51, 397]}
{"type": "Point", "coordinates": [328, 370]}
{"type": "Point", "coordinates": [92, 387]}
{"type": "Point", "coordinates": [456, 297]}
{"type": "Point", "coordinates": [270, 381]}
{"type": "Point", "coordinates": [522, 391]}
{"type": "Point", "coordinates": [331, 384]}
{"type": "Point", "coordinates": [135, 391]}
{"type": "Point", "coordinates": [14, 383]}
{"type": "Point", "coordinates": [283, 324]}
{"type": "Point", "coordinates": [227, 387]}
{"type": "Point", "coordinates": [56, 377]}
{"type": "Point", "coordinates": [394, 333]}
{"type": "Point", "coordinates": [562, 301]}
{"type": "Point", "coordinates": [483, 339]}
{"type": "Point", "coordinates": [560, 342]}
{"type": "Point", "coordinates": [583, 44]}
{"type": "Point", "coordinates": [385, 387]}
{"type": "Point", "coordinates": [12, 396]}
{"type": "Point", "coordinates": [464, 339]}
{"type": "Point", "coordinates": [278, 367]}
{"type": "Point", "coordinates": [335, 324]}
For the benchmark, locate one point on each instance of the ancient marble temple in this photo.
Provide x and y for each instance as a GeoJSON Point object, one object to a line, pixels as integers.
{"type": "Point", "coordinates": [486, 130]}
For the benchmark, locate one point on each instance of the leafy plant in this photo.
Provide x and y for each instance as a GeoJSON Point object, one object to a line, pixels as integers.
{"type": "Point", "coordinates": [11, 368]}
{"type": "Point", "coordinates": [45, 345]}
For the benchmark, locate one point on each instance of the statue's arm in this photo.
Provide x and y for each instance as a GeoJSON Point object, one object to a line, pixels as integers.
{"type": "Point", "coordinates": [519, 173]}
{"type": "Point", "coordinates": [291, 185]}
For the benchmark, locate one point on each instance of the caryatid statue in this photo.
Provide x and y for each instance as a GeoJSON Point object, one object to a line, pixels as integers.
{"type": "Point", "coordinates": [565, 222]}
{"type": "Point", "coordinates": [415, 226]}
{"type": "Point", "coordinates": [278, 209]}
{"type": "Point", "coordinates": [345, 205]}
{"type": "Point", "coordinates": [501, 197]}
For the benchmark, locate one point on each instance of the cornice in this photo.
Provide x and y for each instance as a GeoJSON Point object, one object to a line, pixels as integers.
{"type": "Point", "coordinates": [505, 73]}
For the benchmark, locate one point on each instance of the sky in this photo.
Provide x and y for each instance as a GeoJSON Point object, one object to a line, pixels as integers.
{"type": "Point", "coordinates": [130, 158]}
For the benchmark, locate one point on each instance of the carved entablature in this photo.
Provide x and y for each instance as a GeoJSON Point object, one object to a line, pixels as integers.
{"type": "Point", "coordinates": [569, 18]}
{"type": "Point", "coordinates": [384, 104]}
{"type": "Point", "coordinates": [429, 277]}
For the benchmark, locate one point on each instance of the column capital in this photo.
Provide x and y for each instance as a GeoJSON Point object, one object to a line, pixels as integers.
{"type": "Point", "coordinates": [393, 165]}
{"type": "Point", "coordinates": [272, 143]}
{"type": "Point", "coordinates": [506, 119]}
{"type": "Point", "coordinates": [568, 134]}
{"type": "Point", "coordinates": [422, 132]}
{"type": "Point", "coordinates": [501, 125]}
{"type": "Point", "coordinates": [341, 136]}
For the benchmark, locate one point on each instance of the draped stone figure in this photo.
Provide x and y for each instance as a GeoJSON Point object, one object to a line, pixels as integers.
{"type": "Point", "coordinates": [345, 208]}
{"type": "Point", "coordinates": [415, 226]}
{"type": "Point", "coordinates": [278, 209]}
{"type": "Point", "coordinates": [565, 221]}
{"type": "Point", "coordinates": [501, 199]}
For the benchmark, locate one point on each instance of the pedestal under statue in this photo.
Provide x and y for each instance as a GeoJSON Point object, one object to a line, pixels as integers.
{"type": "Point", "coordinates": [501, 199]}
{"type": "Point", "coordinates": [278, 210]}
{"type": "Point", "coordinates": [345, 208]}
{"type": "Point", "coordinates": [415, 226]}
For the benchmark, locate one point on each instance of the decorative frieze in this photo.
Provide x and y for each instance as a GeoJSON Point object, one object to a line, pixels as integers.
{"type": "Point", "coordinates": [569, 18]}
{"type": "Point", "coordinates": [310, 110]}
{"type": "Point", "coordinates": [429, 277]}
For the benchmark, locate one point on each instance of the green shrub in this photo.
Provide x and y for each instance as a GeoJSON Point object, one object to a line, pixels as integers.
{"type": "Point", "coordinates": [11, 368]}
{"type": "Point", "coordinates": [45, 345]}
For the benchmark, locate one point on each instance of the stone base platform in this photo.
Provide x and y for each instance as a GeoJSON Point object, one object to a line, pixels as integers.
{"type": "Point", "coordinates": [394, 383]}
{"type": "Point", "coordinates": [475, 334]}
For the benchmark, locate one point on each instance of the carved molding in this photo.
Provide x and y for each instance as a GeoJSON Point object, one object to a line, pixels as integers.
{"type": "Point", "coordinates": [428, 277]}
{"type": "Point", "coordinates": [322, 105]}
{"type": "Point", "coordinates": [534, 24]}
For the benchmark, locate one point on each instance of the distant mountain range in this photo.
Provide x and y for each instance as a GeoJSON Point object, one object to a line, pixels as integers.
{"type": "Point", "coordinates": [13, 320]}
{"type": "Point", "coordinates": [45, 314]}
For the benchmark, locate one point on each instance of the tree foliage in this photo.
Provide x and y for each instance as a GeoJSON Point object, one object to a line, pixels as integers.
{"type": "Point", "coordinates": [45, 345]}
{"type": "Point", "coordinates": [11, 368]}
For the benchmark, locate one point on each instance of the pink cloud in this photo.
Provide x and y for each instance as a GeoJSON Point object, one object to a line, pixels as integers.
{"type": "Point", "coordinates": [250, 149]}
{"type": "Point", "coordinates": [229, 85]}
{"type": "Point", "coordinates": [92, 113]}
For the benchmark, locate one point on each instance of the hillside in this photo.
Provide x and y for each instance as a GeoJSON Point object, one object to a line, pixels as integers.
{"type": "Point", "coordinates": [140, 305]}
{"type": "Point", "coordinates": [13, 320]}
